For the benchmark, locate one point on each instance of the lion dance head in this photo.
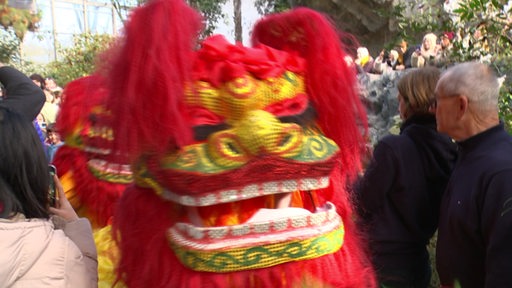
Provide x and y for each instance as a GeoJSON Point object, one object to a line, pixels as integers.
{"type": "Point", "coordinates": [240, 155]}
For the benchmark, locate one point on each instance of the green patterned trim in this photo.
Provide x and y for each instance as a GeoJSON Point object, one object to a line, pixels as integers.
{"type": "Point", "coordinates": [111, 177]}
{"type": "Point", "coordinates": [263, 256]}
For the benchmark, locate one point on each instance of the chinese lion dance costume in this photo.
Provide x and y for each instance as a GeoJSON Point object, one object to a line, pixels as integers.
{"type": "Point", "coordinates": [92, 176]}
{"type": "Point", "coordinates": [241, 155]}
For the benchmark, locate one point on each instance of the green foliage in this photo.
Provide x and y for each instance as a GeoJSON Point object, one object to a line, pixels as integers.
{"type": "Point", "coordinates": [9, 46]}
{"type": "Point", "coordinates": [503, 67]}
{"type": "Point", "coordinates": [265, 7]}
{"type": "Point", "coordinates": [211, 11]}
{"type": "Point", "coordinates": [20, 20]}
{"type": "Point", "coordinates": [483, 33]}
{"type": "Point", "coordinates": [505, 109]}
{"type": "Point", "coordinates": [483, 29]}
{"type": "Point", "coordinates": [123, 6]}
{"type": "Point", "coordinates": [413, 19]}
{"type": "Point", "coordinates": [30, 68]}
{"type": "Point", "coordinates": [78, 60]}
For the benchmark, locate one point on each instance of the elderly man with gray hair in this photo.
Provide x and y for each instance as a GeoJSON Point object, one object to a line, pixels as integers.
{"type": "Point", "coordinates": [474, 246]}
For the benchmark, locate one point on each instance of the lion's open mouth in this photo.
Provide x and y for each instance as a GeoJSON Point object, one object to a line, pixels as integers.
{"type": "Point", "coordinates": [248, 192]}
{"type": "Point", "coordinates": [270, 237]}
{"type": "Point", "coordinates": [265, 226]}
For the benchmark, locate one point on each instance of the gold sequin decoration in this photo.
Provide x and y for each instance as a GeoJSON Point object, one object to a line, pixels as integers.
{"type": "Point", "coordinates": [237, 97]}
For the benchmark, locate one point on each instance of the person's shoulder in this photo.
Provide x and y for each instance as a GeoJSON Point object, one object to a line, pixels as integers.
{"type": "Point", "coordinates": [393, 141]}
{"type": "Point", "coordinates": [495, 156]}
{"type": "Point", "coordinates": [389, 138]}
{"type": "Point", "coordinates": [501, 144]}
{"type": "Point", "coordinates": [58, 259]}
{"type": "Point", "coordinates": [501, 153]}
{"type": "Point", "coordinates": [32, 234]}
{"type": "Point", "coordinates": [412, 49]}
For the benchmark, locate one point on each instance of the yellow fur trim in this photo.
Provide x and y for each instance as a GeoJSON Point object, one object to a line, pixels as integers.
{"type": "Point", "coordinates": [108, 255]}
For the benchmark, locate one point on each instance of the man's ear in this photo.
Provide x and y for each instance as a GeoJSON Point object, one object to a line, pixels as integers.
{"type": "Point", "coordinates": [462, 105]}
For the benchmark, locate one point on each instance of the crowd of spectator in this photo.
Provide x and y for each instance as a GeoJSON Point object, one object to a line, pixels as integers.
{"type": "Point", "coordinates": [45, 120]}
{"type": "Point", "coordinates": [434, 50]}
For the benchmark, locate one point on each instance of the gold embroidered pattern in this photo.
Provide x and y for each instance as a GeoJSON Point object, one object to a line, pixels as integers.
{"type": "Point", "coordinates": [262, 256]}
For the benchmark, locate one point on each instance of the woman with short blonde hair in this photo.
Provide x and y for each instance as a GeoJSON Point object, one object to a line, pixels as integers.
{"type": "Point", "coordinates": [417, 89]}
{"type": "Point", "coordinates": [427, 53]}
{"type": "Point", "coordinates": [400, 193]}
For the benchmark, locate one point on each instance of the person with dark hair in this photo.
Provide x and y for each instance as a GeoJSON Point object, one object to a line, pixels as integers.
{"type": "Point", "coordinates": [53, 141]}
{"type": "Point", "coordinates": [49, 109]}
{"type": "Point", "coordinates": [20, 93]}
{"type": "Point", "coordinates": [475, 228]}
{"type": "Point", "coordinates": [38, 80]}
{"type": "Point", "coordinates": [401, 190]}
{"type": "Point", "coordinates": [404, 55]}
{"type": "Point", "coordinates": [55, 89]}
{"type": "Point", "coordinates": [38, 248]}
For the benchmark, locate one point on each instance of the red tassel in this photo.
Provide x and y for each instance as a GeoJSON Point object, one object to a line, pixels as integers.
{"type": "Point", "coordinates": [148, 78]}
{"type": "Point", "coordinates": [332, 87]}
{"type": "Point", "coordinates": [331, 84]}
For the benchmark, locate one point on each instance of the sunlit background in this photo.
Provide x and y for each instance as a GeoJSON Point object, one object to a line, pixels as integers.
{"type": "Point", "coordinates": [61, 19]}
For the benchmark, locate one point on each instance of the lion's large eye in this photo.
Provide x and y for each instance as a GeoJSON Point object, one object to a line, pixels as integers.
{"type": "Point", "coordinates": [226, 150]}
{"type": "Point", "coordinates": [233, 148]}
{"type": "Point", "coordinates": [288, 142]}
{"type": "Point", "coordinates": [284, 140]}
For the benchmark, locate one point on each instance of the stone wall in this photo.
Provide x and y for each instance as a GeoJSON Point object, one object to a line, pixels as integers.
{"type": "Point", "coordinates": [379, 94]}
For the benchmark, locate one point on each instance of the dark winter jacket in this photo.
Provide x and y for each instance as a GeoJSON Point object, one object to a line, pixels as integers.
{"type": "Point", "coordinates": [475, 229]}
{"type": "Point", "coordinates": [400, 193]}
